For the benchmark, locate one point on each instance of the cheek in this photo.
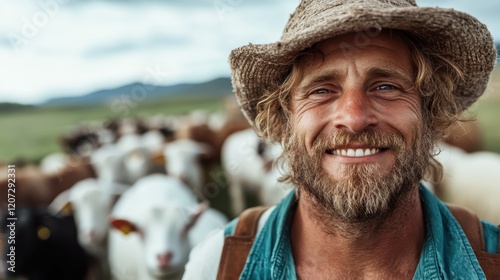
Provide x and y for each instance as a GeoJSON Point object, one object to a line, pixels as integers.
{"type": "Point", "coordinates": [410, 125]}
{"type": "Point", "coordinates": [307, 126]}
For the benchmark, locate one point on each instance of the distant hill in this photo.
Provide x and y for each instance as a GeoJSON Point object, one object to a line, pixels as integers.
{"type": "Point", "coordinates": [217, 87]}
{"type": "Point", "coordinates": [9, 107]}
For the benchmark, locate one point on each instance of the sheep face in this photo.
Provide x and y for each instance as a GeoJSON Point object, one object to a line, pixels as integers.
{"type": "Point", "coordinates": [91, 211]}
{"type": "Point", "coordinates": [164, 234]}
{"type": "Point", "coordinates": [183, 161]}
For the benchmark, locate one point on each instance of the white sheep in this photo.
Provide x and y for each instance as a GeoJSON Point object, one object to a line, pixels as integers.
{"type": "Point", "coordinates": [248, 162]}
{"type": "Point", "coordinates": [471, 180]}
{"type": "Point", "coordinates": [109, 165]}
{"type": "Point", "coordinates": [183, 161]}
{"type": "Point", "coordinates": [53, 163]}
{"type": "Point", "coordinates": [152, 222]}
{"type": "Point", "coordinates": [124, 162]}
{"type": "Point", "coordinates": [136, 157]}
{"type": "Point", "coordinates": [90, 202]}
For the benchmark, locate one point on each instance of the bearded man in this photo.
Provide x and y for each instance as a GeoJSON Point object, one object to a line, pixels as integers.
{"type": "Point", "coordinates": [358, 93]}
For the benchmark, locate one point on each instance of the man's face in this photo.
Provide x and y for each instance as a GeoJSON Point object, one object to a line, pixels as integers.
{"type": "Point", "coordinates": [355, 142]}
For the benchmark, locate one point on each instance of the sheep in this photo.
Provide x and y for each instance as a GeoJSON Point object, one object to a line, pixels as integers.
{"type": "Point", "coordinates": [138, 159]}
{"type": "Point", "coordinates": [109, 165]}
{"type": "Point", "coordinates": [184, 161]}
{"type": "Point", "coordinates": [466, 135]}
{"type": "Point", "coordinates": [214, 136]}
{"type": "Point", "coordinates": [471, 180]}
{"type": "Point", "coordinates": [248, 162]}
{"type": "Point", "coordinates": [151, 225]}
{"type": "Point", "coordinates": [53, 163]}
{"type": "Point", "coordinates": [35, 188]}
{"type": "Point", "coordinates": [123, 162]}
{"type": "Point", "coordinates": [272, 190]}
{"type": "Point", "coordinates": [90, 202]}
{"type": "Point", "coordinates": [46, 246]}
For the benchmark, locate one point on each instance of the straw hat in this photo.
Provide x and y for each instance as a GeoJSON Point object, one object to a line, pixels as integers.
{"type": "Point", "coordinates": [260, 68]}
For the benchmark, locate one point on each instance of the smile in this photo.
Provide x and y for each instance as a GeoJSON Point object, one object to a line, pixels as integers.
{"type": "Point", "coordinates": [354, 152]}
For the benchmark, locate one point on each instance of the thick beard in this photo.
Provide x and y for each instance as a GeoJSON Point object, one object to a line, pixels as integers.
{"type": "Point", "coordinates": [363, 195]}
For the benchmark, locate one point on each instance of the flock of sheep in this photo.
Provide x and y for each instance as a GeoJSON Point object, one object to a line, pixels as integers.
{"type": "Point", "coordinates": [128, 199]}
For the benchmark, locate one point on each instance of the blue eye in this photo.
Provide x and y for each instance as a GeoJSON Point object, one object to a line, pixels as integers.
{"type": "Point", "coordinates": [321, 91]}
{"type": "Point", "coordinates": [385, 87]}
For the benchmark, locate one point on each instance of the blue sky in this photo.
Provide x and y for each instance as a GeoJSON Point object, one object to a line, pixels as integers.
{"type": "Point", "coordinates": [52, 48]}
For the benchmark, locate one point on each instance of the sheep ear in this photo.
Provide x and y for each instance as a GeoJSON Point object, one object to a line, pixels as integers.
{"type": "Point", "coordinates": [61, 205]}
{"type": "Point", "coordinates": [158, 158]}
{"type": "Point", "coordinates": [206, 151]}
{"type": "Point", "coordinates": [122, 225]}
{"type": "Point", "coordinates": [194, 217]}
{"type": "Point", "coordinates": [67, 209]}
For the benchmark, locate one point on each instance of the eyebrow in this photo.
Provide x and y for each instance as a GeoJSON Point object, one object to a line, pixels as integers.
{"type": "Point", "coordinates": [314, 80]}
{"type": "Point", "coordinates": [395, 72]}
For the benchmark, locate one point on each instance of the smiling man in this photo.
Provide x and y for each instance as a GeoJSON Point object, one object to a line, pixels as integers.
{"type": "Point", "coordinates": [358, 93]}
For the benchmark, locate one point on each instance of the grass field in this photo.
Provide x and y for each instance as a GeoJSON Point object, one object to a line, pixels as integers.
{"type": "Point", "coordinates": [32, 134]}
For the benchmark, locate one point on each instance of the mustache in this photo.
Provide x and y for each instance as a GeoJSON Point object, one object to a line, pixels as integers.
{"type": "Point", "coordinates": [369, 137]}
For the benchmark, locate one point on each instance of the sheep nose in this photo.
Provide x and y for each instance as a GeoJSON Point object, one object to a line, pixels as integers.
{"type": "Point", "coordinates": [93, 236]}
{"type": "Point", "coordinates": [89, 237]}
{"type": "Point", "coordinates": [164, 259]}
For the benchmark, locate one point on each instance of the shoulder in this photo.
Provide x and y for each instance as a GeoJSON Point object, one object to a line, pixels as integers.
{"type": "Point", "coordinates": [204, 258]}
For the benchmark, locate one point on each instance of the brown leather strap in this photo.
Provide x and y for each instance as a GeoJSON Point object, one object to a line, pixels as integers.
{"type": "Point", "coordinates": [473, 229]}
{"type": "Point", "coordinates": [237, 247]}
{"type": "Point", "coordinates": [471, 225]}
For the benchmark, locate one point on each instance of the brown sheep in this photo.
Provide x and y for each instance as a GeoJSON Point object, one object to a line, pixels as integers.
{"type": "Point", "coordinates": [35, 188]}
{"type": "Point", "coordinates": [465, 135]}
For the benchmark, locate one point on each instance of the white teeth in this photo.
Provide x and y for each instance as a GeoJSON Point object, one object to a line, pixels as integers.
{"type": "Point", "coordinates": [356, 153]}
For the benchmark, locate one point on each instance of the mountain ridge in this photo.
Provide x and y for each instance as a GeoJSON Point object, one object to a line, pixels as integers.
{"type": "Point", "coordinates": [140, 92]}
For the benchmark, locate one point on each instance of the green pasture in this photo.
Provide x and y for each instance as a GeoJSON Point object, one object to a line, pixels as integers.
{"type": "Point", "coordinates": [28, 135]}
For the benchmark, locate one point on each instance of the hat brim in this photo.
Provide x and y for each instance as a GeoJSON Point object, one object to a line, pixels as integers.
{"type": "Point", "coordinates": [257, 69]}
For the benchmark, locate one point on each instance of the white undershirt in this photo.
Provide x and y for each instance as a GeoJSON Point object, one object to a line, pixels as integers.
{"type": "Point", "coordinates": [204, 258]}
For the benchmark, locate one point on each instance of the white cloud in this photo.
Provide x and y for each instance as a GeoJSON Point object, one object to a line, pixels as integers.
{"type": "Point", "coordinates": [85, 46]}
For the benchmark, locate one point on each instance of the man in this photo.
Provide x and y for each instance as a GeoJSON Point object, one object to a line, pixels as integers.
{"type": "Point", "coordinates": [358, 93]}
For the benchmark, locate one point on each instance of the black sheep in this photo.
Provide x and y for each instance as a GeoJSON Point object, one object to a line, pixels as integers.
{"type": "Point", "coordinates": [45, 247]}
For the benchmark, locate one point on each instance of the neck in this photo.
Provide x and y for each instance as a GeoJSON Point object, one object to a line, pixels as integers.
{"type": "Point", "coordinates": [380, 248]}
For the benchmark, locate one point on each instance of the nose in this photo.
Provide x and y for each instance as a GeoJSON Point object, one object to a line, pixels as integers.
{"type": "Point", "coordinates": [164, 259]}
{"type": "Point", "coordinates": [88, 237]}
{"type": "Point", "coordinates": [354, 111]}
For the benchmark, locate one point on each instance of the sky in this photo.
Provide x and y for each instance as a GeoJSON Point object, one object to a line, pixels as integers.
{"type": "Point", "coordinates": [52, 48]}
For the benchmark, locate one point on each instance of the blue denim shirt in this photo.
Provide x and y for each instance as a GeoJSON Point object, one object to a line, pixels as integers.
{"type": "Point", "coordinates": [447, 253]}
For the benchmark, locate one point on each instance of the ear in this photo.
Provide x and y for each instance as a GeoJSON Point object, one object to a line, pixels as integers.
{"type": "Point", "coordinates": [158, 158]}
{"type": "Point", "coordinates": [194, 217]}
{"type": "Point", "coordinates": [206, 151]}
{"type": "Point", "coordinates": [61, 205]}
{"type": "Point", "coordinates": [117, 188]}
{"type": "Point", "coordinates": [122, 225]}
